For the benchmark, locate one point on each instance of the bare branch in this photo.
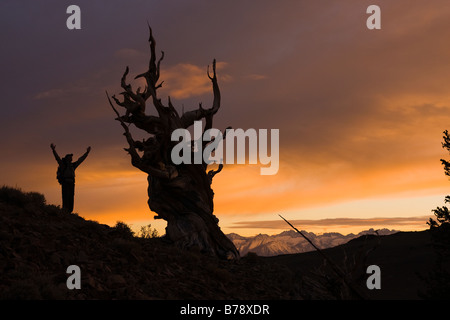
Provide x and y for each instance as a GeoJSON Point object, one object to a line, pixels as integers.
{"type": "Point", "coordinates": [172, 108]}
{"type": "Point", "coordinates": [188, 118]}
{"type": "Point", "coordinates": [216, 103]}
{"type": "Point", "coordinates": [158, 68]}
{"type": "Point", "coordinates": [132, 150]}
{"type": "Point", "coordinates": [133, 102]}
{"type": "Point", "coordinates": [332, 264]}
{"type": "Point", "coordinates": [151, 76]}
{"type": "Point", "coordinates": [136, 160]}
{"type": "Point", "coordinates": [212, 173]}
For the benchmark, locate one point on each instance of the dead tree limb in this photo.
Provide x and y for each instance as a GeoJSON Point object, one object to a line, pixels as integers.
{"type": "Point", "coordinates": [332, 264]}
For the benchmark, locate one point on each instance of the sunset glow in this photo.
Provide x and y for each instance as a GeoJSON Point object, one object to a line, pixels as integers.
{"type": "Point", "coordinates": [360, 112]}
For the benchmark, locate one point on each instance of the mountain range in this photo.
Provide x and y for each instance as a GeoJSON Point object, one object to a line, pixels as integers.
{"type": "Point", "coordinates": [288, 242]}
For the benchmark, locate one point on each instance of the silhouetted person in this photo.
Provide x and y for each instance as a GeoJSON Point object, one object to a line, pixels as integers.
{"type": "Point", "coordinates": [66, 176]}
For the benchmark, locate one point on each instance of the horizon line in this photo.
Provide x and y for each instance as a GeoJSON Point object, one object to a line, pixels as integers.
{"type": "Point", "coordinates": [333, 222]}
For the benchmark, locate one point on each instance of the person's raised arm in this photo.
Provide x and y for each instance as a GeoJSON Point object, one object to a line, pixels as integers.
{"type": "Point", "coordinates": [82, 158]}
{"type": "Point", "coordinates": [55, 154]}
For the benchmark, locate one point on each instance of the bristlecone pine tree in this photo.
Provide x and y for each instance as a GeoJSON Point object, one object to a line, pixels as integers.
{"type": "Point", "coordinates": [442, 213]}
{"type": "Point", "coordinates": [438, 280]}
{"type": "Point", "coordinates": [180, 194]}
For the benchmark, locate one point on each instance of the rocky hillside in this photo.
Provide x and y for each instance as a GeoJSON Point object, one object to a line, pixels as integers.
{"type": "Point", "coordinates": [39, 241]}
{"type": "Point", "coordinates": [292, 242]}
{"type": "Point", "coordinates": [405, 259]}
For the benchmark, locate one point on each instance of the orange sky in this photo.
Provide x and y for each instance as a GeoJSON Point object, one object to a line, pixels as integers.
{"type": "Point", "coordinates": [360, 113]}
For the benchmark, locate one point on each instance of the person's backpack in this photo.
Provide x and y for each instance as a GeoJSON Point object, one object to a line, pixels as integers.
{"type": "Point", "coordinates": [60, 172]}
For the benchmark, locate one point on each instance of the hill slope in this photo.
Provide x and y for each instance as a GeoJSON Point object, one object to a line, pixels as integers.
{"type": "Point", "coordinates": [403, 258]}
{"type": "Point", "coordinates": [38, 242]}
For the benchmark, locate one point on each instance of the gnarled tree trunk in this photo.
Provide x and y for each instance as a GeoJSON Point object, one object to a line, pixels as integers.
{"type": "Point", "coordinates": [180, 194]}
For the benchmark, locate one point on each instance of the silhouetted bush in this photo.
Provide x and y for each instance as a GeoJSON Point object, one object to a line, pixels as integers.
{"type": "Point", "coordinates": [19, 198]}
{"type": "Point", "coordinates": [438, 281]}
{"type": "Point", "coordinates": [123, 230]}
{"type": "Point", "coordinates": [147, 232]}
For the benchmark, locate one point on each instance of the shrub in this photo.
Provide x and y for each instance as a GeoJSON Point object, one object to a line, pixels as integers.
{"type": "Point", "coordinates": [147, 232]}
{"type": "Point", "coordinates": [15, 196]}
{"type": "Point", "coordinates": [123, 230]}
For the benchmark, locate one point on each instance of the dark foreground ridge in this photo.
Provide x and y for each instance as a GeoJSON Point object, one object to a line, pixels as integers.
{"type": "Point", "coordinates": [39, 241]}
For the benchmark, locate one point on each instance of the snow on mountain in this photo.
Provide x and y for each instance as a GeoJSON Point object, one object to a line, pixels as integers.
{"type": "Point", "coordinates": [292, 242]}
